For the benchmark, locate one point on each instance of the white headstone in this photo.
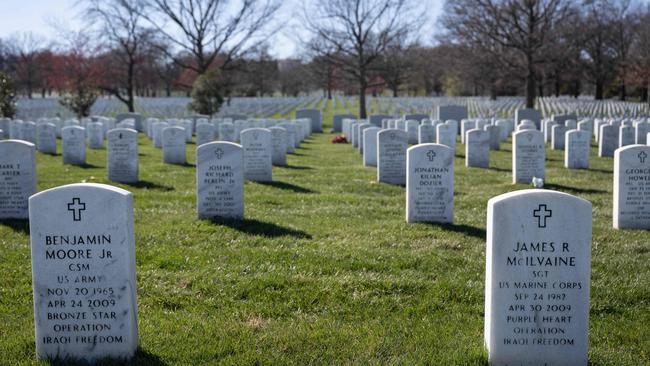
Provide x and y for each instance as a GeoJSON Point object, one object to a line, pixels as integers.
{"type": "Point", "coordinates": [314, 115]}
{"type": "Point", "coordinates": [411, 128]}
{"type": "Point", "coordinates": [528, 156]}
{"type": "Point", "coordinates": [256, 143]}
{"type": "Point", "coordinates": [495, 136]}
{"type": "Point", "coordinates": [337, 121]}
{"type": "Point", "coordinates": [430, 184]}
{"type": "Point", "coordinates": [95, 132]}
{"type": "Point", "coordinates": [204, 133]}
{"type": "Point", "coordinates": [477, 149]}
{"type": "Point", "coordinates": [28, 132]}
{"type": "Point", "coordinates": [576, 149]}
{"type": "Point", "coordinates": [279, 146]}
{"type": "Point", "coordinates": [466, 125]}
{"type": "Point", "coordinates": [558, 137]}
{"type": "Point", "coordinates": [632, 187]}
{"type": "Point", "coordinates": [226, 132]}
{"type": "Point", "coordinates": [46, 138]}
{"type": "Point", "coordinates": [73, 145]}
{"type": "Point", "coordinates": [451, 112]}
{"type": "Point", "coordinates": [158, 133]}
{"type": "Point", "coordinates": [528, 114]}
{"type": "Point", "coordinates": [123, 160]}
{"type": "Point", "coordinates": [426, 134]}
{"type": "Point", "coordinates": [391, 156]}
{"type": "Point", "coordinates": [538, 265]}
{"type": "Point", "coordinates": [446, 135]}
{"type": "Point", "coordinates": [220, 180]}
{"type": "Point", "coordinates": [370, 146]}
{"type": "Point", "coordinates": [626, 136]}
{"type": "Point", "coordinates": [641, 130]}
{"type": "Point", "coordinates": [83, 261]}
{"type": "Point", "coordinates": [608, 140]}
{"type": "Point", "coordinates": [173, 144]}
{"type": "Point", "coordinates": [18, 172]}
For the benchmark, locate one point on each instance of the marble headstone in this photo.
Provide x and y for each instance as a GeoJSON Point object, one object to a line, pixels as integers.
{"type": "Point", "coordinates": [430, 184]}
{"type": "Point", "coordinates": [446, 135]}
{"type": "Point", "coordinates": [83, 272]}
{"type": "Point", "coordinates": [123, 155]}
{"type": "Point", "coordinates": [576, 149]}
{"type": "Point", "coordinates": [538, 266]}
{"type": "Point", "coordinates": [632, 187]}
{"type": "Point", "coordinates": [46, 138]}
{"type": "Point", "coordinates": [220, 180]}
{"type": "Point", "coordinates": [174, 145]}
{"type": "Point", "coordinates": [95, 132]}
{"type": "Point", "coordinates": [426, 134]}
{"type": "Point", "coordinates": [391, 156]}
{"type": "Point", "coordinates": [256, 143]}
{"type": "Point", "coordinates": [477, 148]}
{"type": "Point", "coordinates": [204, 133]}
{"type": "Point", "coordinates": [18, 182]}
{"type": "Point", "coordinates": [528, 156]}
{"type": "Point", "coordinates": [73, 145]}
{"type": "Point", "coordinates": [278, 146]}
{"type": "Point", "coordinates": [370, 146]}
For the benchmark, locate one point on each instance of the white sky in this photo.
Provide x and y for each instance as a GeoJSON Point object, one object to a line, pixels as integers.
{"type": "Point", "coordinates": [38, 16]}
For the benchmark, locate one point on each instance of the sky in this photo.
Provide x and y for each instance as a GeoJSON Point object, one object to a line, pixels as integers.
{"type": "Point", "coordinates": [38, 16]}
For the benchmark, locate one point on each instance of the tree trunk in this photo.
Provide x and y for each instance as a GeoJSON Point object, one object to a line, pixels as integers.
{"type": "Point", "coordinates": [623, 91]}
{"type": "Point", "coordinates": [648, 94]}
{"type": "Point", "coordinates": [395, 91]}
{"type": "Point", "coordinates": [530, 86]}
{"type": "Point", "coordinates": [557, 84]}
{"type": "Point", "coordinates": [362, 101]}
{"type": "Point", "coordinates": [599, 90]}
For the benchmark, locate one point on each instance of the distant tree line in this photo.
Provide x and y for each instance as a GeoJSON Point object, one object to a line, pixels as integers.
{"type": "Point", "coordinates": [215, 49]}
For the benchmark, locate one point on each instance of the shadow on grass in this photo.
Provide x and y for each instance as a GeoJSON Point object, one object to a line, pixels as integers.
{"type": "Point", "coordinates": [599, 171]}
{"type": "Point", "coordinates": [476, 232]}
{"type": "Point", "coordinates": [260, 228]}
{"type": "Point", "coordinates": [296, 154]}
{"type": "Point", "coordinates": [496, 169]}
{"type": "Point", "coordinates": [149, 185]}
{"type": "Point", "coordinates": [141, 357]}
{"type": "Point", "coordinates": [17, 225]}
{"type": "Point", "coordinates": [186, 165]}
{"type": "Point", "coordinates": [563, 188]}
{"type": "Point", "coordinates": [297, 167]}
{"type": "Point", "coordinates": [287, 186]}
{"type": "Point", "coordinates": [87, 166]}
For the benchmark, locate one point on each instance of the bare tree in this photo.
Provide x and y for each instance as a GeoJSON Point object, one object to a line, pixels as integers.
{"type": "Point", "coordinates": [524, 26]}
{"type": "Point", "coordinates": [354, 33]}
{"type": "Point", "coordinates": [121, 28]}
{"type": "Point", "coordinates": [598, 45]}
{"type": "Point", "coordinates": [396, 64]}
{"type": "Point", "coordinates": [206, 29]}
{"type": "Point", "coordinates": [623, 33]}
{"type": "Point", "coordinates": [640, 56]}
{"type": "Point", "coordinates": [29, 70]}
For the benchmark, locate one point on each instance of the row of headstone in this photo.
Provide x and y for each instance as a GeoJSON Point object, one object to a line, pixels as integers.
{"type": "Point", "coordinates": [538, 261]}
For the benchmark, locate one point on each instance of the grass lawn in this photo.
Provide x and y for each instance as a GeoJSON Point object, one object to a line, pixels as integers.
{"type": "Point", "coordinates": [324, 269]}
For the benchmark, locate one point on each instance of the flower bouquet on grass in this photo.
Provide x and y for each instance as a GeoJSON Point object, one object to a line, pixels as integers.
{"type": "Point", "coordinates": [339, 139]}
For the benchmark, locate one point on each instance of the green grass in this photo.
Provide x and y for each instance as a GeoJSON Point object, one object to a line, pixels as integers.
{"type": "Point", "coordinates": [324, 270]}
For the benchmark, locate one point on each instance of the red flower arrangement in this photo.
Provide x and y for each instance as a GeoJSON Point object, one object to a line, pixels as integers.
{"type": "Point", "coordinates": [339, 139]}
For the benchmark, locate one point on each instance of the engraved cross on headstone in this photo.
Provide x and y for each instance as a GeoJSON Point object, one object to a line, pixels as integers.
{"type": "Point", "coordinates": [542, 214]}
{"type": "Point", "coordinates": [76, 206]}
{"type": "Point", "coordinates": [218, 153]}
{"type": "Point", "coordinates": [431, 155]}
{"type": "Point", "coordinates": [642, 155]}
